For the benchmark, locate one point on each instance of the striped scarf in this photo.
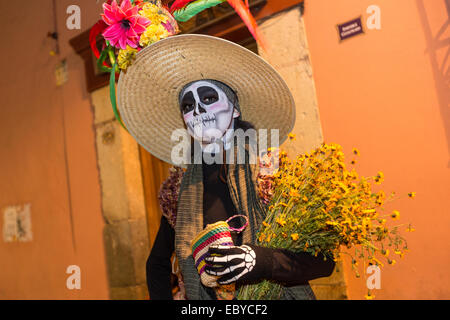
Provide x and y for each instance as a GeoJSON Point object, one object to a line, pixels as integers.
{"type": "Point", "coordinates": [241, 180]}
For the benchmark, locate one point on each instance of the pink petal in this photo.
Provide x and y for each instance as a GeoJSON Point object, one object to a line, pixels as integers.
{"type": "Point", "coordinates": [125, 5]}
{"type": "Point", "coordinates": [113, 42]}
{"type": "Point", "coordinates": [114, 6]}
{"type": "Point", "coordinates": [143, 21]}
{"type": "Point", "coordinates": [108, 14]}
{"type": "Point", "coordinates": [107, 7]}
{"type": "Point", "coordinates": [132, 44]}
{"type": "Point", "coordinates": [113, 31]}
{"type": "Point", "coordinates": [131, 33]}
{"type": "Point", "coordinates": [107, 19]}
{"type": "Point", "coordinates": [123, 43]}
{"type": "Point", "coordinates": [118, 14]}
{"type": "Point", "coordinates": [168, 27]}
{"type": "Point", "coordinates": [139, 29]}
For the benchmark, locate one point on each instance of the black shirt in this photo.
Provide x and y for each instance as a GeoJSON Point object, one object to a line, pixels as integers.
{"type": "Point", "coordinates": [217, 203]}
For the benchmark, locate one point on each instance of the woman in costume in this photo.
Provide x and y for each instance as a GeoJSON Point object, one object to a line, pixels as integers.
{"type": "Point", "coordinates": [211, 87]}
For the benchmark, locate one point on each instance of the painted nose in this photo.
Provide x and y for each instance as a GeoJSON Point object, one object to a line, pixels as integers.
{"type": "Point", "coordinates": [199, 109]}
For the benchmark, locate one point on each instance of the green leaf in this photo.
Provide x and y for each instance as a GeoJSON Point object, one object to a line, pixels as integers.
{"type": "Point", "coordinates": [195, 8]}
{"type": "Point", "coordinates": [112, 94]}
{"type": "Point", "coordinates": [102, 59]}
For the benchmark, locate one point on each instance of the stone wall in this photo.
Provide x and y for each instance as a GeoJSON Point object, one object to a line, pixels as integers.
{"type": "Point", "coordinates": [123, 204]}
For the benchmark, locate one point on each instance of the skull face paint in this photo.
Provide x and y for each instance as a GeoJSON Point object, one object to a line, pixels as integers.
{"type": "Point", "coordinates": [207, 111]}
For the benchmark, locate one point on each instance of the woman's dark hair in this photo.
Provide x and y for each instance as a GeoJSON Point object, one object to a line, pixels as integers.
{"type": "Point", "coordinates": [241, 124]}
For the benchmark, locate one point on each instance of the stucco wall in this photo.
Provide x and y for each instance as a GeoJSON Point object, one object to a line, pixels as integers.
{"type": "Point", "coordinates": [382, 93]}
{"type": "Point", "coordinates": [288, 52]}
{"type": "Point", "coordinates": [33, 167]}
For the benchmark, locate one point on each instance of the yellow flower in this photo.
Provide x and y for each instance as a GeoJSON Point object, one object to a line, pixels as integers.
{"type": "Point", "coordinates": [369, 296]}
{"type": "Point", "coordinates": [412, 195]}
{"type": "Point", "coordinates": [391, 262]}
{"type": "Point", "coordinates": [294, 193]}
{"type": "Point", "coordinates": [395, 215]}
{"type": "Point", "coordinates": [380, 197]}
{"type": "Point", "coordinates": [376, 262]}
{"type": "Point", "coordinates": [295, 236]}
{"type": "Point", "coordinates": [410, 229]}
{"type": "Point", "coordinates": [356, 151]}
{"type": "Point", "coordinates": [126, 57]}
{"type": "Point", "coordinates": [291, 136]}
{"type": "Point", "coordinates": [379, 178]}
{"type": "Point", "coordinates": [153, 13]}
{"type": "Point", "coordinates": [280, 221]}
{"type": "Point", "coordinates": [265, 224]}
{"type": "Point", "coordinates": [261, 237]}
{"type": "Point", "coordinates": [153, 33]}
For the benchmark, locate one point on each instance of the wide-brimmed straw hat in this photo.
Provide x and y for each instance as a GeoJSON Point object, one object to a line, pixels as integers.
{"type": "Point", "coordinates": [148, 92]}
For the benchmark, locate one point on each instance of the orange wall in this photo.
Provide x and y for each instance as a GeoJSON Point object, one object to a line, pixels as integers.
{"type": "Point", "coordinates": [382, 93]}
{"type": "Point", "coordinates": [32, 162]}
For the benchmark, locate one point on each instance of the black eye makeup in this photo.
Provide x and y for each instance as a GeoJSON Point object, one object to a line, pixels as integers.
{"type": "Point", "coordinates": [188, 102]}
{"type": "Point", "coordinates": [208, 95]}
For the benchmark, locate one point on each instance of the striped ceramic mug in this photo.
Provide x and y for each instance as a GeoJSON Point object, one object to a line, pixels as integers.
{"type": "Point", "coordinates": [218, 233]}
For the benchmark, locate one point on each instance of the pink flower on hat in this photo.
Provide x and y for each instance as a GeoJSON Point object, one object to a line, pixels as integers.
{"type": "Point", "coordinates": [125, 24]}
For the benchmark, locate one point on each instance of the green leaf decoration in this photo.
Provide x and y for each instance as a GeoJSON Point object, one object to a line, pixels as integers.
{"type": "Point", "coordinates": [112, 94]}
{"type": "Point", "coordinates": [101, 59]}
{"type": "Point", "coordinates": [195, 8]}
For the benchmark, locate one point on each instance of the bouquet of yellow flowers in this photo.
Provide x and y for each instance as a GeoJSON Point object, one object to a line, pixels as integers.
{"type": "Point", "coordinates": [316, 205]}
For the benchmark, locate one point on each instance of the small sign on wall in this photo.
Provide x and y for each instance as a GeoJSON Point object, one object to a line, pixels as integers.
{"type": "Point", "coordinates": [17, 223]}
{"type": "Point", "coordinates": [61, 73]}
{"type": "Point", "coordinates": [350, 29]}
{"type": "Point", "coordinates": [355, 26]}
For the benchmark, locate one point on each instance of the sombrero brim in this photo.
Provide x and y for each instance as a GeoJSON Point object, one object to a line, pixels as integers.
{"type": "Point", "coordinates": [148, 91]}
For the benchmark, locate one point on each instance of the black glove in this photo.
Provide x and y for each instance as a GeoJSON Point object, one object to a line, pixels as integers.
{"type": "Point", "coordinates": [246, 263]}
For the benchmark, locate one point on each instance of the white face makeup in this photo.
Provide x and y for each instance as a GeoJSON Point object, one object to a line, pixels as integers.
{"type": "Point", "coordinates": [207, 111]}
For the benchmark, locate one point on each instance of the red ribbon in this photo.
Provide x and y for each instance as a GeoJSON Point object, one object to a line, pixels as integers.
{"type": "Point", "coordinates": [97, 29]}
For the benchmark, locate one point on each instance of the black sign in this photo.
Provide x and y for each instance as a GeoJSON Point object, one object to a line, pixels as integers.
{"type": "Point", "coordinates": [350, 29]}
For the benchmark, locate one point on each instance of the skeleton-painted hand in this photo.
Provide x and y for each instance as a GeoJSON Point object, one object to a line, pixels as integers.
{"type": "Point", "coordinates": [231, 263]}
